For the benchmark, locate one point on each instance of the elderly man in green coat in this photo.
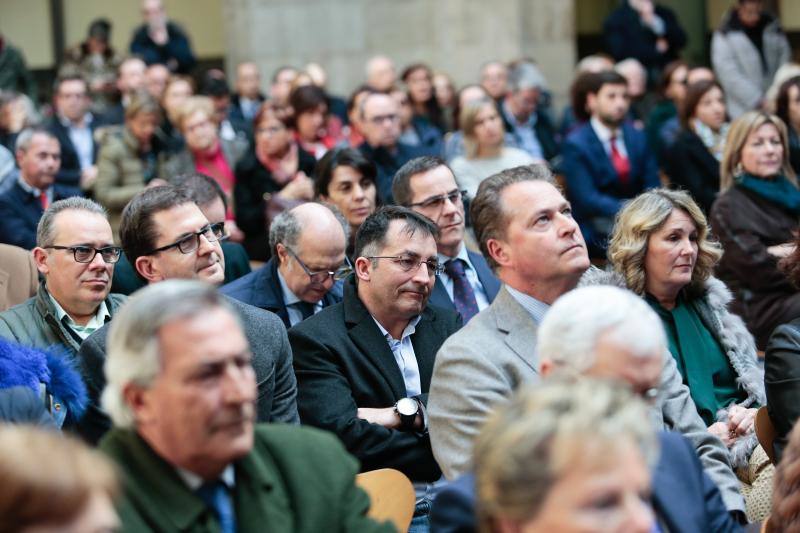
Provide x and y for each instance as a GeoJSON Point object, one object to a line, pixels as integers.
{"type": "Point", "coordinates": [181, 393]}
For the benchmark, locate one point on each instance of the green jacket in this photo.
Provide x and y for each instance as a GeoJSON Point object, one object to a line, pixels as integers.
{"type": "Point", "coordinates": [35, 323]}
{"type": "Point", "coordinates": [295, 480]}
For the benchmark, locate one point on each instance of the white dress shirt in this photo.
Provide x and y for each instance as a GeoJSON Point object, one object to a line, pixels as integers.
{"type": "Point", "coordinates": [604, 133]}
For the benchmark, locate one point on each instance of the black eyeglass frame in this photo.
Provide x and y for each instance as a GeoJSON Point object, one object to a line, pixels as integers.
{"type": "Point", "coordinates": [455, 196]}
{"type": "Point", "coordinates": [433, 269]}
{"type": "Point", "coordinates": [217, 234]}
{"type": "Point", "coordinates": [102, 251]}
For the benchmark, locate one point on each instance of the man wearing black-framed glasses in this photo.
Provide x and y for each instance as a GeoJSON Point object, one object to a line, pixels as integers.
{"type": "Point", "coordinates": [75, 255]}
{"type": "Point", "coordinates": [308, 263]}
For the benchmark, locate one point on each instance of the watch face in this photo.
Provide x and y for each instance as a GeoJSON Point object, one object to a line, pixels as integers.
{"type": "Point", "coordinates": [407, 407]}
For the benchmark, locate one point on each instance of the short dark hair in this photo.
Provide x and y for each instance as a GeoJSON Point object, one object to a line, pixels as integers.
{"type": "Point", "coordinates": [488, 216]}
{"type": "Point", "coordinates": [303, 99]}
{"type": "Point", "coordinates": [694, 93]}
{"type": "Point", "coordinates": [597, 80]}
{"type": "Point", "coordinates": [782, 100]}
{"type": "Point", "coordinates": [577, 94]}
{"type": "Point", "coordinates": [341, 157]}
{"type": "Point", "coordinates": [137, 232]}
{"type": "Point", "coordinates": [401, 183]}
{"type": "Point", "coordinates": [372, 233]}
{"type": "Point", "coordinates": [203, 189]}
{"type": "Point", "coordinates": [69, 74]}
{"type": "Point", "coordinates": [351, 101]}
{"type": "Point", "coordinates": [666, 75]}
{"type": "Point", "coordinates": [214, 84]}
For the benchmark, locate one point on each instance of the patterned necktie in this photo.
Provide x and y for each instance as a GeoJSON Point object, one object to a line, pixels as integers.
{"type": "Point", "coordinates": [215, 495]}
{"type": "Point", "coordinates": [463, 295]}
{"type": "Point", "coordinates": [622, 164]}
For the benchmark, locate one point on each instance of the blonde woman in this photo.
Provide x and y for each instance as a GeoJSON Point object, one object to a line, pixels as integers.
{"type": "Point", "coordinates": [484, 139]}
{"type": "Point", "coordinates": [755, 218]}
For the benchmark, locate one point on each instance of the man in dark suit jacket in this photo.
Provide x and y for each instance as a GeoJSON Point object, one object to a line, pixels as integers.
{"type": "Point", "coordinates": [467, 284]}
{"type": "Point", "coordinates": [308, 260]}
{"type": "Point", "coordinates": [74, 127]}
{"type": "Point", "coordinates": [364, 365]}
{"type": "Point", "coordinates": [185, 440]}
{"type": "Point", "coordinates": [380, 125]}
{"type": "Point", "coordinates": [23, 202]}
{"type": "Point", "coordinates": [684, 497]}
{"type": "Point", "coordinates": [248, 97]}
{"type": "Point", "coordinates": [160, 40]}
{"type": "Point", "coordinates": [157, 226]}
{"type": "Point", "coordinates": [606, 161]}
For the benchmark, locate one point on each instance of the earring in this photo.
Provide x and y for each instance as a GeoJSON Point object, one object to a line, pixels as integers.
{"type": "Point", "coordinates": [738, 170]}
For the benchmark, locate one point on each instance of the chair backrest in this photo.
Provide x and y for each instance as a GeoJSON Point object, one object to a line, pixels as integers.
{"type": "Point", "coordinates": [391, 494]}
{"type": "Point", "coordinates": [19, 278]}
{"type": "Point", "coordinates": [765, 432]}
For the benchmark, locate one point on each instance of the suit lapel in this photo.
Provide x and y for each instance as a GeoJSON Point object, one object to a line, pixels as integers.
{"type": "Point", "coordinates": [490, 283]}
{"type": "Point", "coordinates": [267, 293]}
{"type": "Point", "coordinates": [632, 147]}
{"type": "Point", "coordinates": [260, 494]}
{"type": "Point", "coordinates": [426, 343]}
{"type": "Point", "coordinates": [598, 153]}
{"type": "Point", "coordinates": [439, 296]}
{"type": "Point", "coordinates": [519, 327]}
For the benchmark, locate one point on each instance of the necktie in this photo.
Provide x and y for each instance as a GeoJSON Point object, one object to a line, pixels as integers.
{"type": "Point", "coordinates": [463, 295]}
{"type": "Point", "coordinates": [215, 495]}
{"type": "Point", "coordinates": [621, 163]}
{"type": "Point", "coordinates": [305, 308]}
{"type": "Point", "coordinates": [43, 200]}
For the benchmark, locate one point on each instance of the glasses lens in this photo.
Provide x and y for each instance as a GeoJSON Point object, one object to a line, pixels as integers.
{"type": "Point", "coordinates": [111, 254]}
{"type": "Point", "coordinates": [83, 254]}
{"type": "Point", "coordinates": [218, 231]}
{"type": "Point", "coordinates": [433, 267]}
{"type": "Point", "coordinates": [189, 244]}
{"type": "Point", "coordinates": [342, 273]}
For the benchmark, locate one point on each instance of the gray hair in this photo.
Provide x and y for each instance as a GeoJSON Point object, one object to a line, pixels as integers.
{"type": "Point", "coordinates": [45, 230]}
{"type": "Point", "coordinates": [526, 76]}
{"type": "Point", "coordinates": [573, 325]}
{"type": "Point", "coordinates": [25, 137]}
{"type": "Point", "coordinates": [134, 354]}
{"type": "Point", "coordinates": [286, 228]}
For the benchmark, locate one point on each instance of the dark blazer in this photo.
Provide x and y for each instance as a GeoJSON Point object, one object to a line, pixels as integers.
{"type": "Point", "coordinates": [70, 171]}
{"type": "Point", "coordinates": [593, 185]}
{"type": "Point", "coordinates": [20, 212]}
{"type": "Point", "coordinates": [235, 110]}
{"type": "Point", "coordinates": [293, 479]}
{"type": "Point", "coordinates": [544, 130]}
{"type": "Point", "coordinates": [262, 289]}
{"type": "Point", "coordinates": [491, 284]}
{"type": "Point", "coordinates": [343, 362]}
{"type": "Point", "coordinates": [782, 381]}
{"type": "Point", "coordinates": [176, 53]}
{"type": "Point", "coordinates": [684, 497]}
{"type": "Point", "coordinates": [272, 362]}
{"type": "Point", "coordinates": [691, 166]}
{"type": "Point", "coordinates": [237, 264]}
{"type": "Point", "coordinates": [388, 164]}
{"type": "Point", "coordinates": [626, 36]}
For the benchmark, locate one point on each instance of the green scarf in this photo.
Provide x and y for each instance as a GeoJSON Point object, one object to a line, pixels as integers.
{"type": "Point", "coordinates": [779, 190]}
{"type": "Point", "coordinates": [701, 361]}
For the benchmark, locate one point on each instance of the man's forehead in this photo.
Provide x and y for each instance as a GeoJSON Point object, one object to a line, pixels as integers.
{"type": "Point", "coordinates": [379, 103]}
{"type": "Point", "coordinates": [179, 219]}
{"type": "Point", "coordinates": [439, 180]}
{"type": "Point", "coordinates": [531, 196]}
{"type": "Point", "coordinates": [402, 236]}
{"type": "Point", "coordinates": [44, 143]}
{"type": "Point", "coordinates": [81, 226]}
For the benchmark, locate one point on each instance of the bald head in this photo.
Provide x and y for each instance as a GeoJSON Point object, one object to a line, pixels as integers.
{"type": "Point", "coordinates": [381, 73]}
{"type": "Point", "coordinates": [248, 80]}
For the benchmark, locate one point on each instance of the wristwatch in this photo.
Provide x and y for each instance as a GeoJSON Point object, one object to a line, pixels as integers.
{"type": "Point", "coordinates": [407, 409]}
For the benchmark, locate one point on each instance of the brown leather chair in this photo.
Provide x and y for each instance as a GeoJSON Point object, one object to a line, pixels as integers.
{"type": "Point", "coordinates": [391, 495]}
{"type": "Point", "coordinates": [19, 278]}
{"type": "Point", "coordinates": [765, 432]}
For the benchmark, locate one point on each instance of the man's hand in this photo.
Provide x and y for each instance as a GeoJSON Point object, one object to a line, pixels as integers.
{"type": "Point", "coordinates": [88, 177]}
{"type": "Point", "coordinates": [386, 417]}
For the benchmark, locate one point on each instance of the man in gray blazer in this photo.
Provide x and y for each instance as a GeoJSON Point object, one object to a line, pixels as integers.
{"type": "Point", "coordinates": [166, 236]}
{"type": "Point", "coordinates": [526, 232]}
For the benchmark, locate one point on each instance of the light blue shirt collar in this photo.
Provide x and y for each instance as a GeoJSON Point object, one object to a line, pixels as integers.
{"type": "Point", "coordinates": [533, 306]}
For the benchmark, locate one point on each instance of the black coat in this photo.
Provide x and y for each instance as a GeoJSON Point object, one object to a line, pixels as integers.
{"type": "Point", "coordinates": [691, 166]}
{"type": "Point", "coordinates": [626, 36]}
{"type": "Point", "coordinates": [20, 212]}
{"type": "Point", "coordinates": [543, 129]}
{"type": "Point", "coordinates": [342, 362]}
{"type": "Point", "coordinates": [782, 381]}
{"type": "Point", "coordinates": [70, 171]}
{"type": "Point", "coordinates": [388, 164]}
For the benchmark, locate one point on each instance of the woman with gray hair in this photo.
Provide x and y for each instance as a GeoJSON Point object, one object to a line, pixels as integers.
{"type": "Point", "coordinates": [662, 249]}
{"type": "Point", "coordinates": [566, 457]}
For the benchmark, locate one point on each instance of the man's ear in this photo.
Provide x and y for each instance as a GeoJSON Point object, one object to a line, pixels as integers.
{"type": "Point", "coordinates": [135, 397]}
{"type": "Point", "coordinates": [281, 253]}
{"type": "Point", "coordinates": [148, 268]}
{"type": "Point", "coordinates": [363, 268]}
{"type": "Point", "coordinates": [40, 256]}
{"type": "Point", "coordinates": [546, 367]}
{"type": "Point", "coordinates": [498, 251]}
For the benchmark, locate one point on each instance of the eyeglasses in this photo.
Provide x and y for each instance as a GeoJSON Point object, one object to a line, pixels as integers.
{"type": "Point", "coordinates": [380, 119]}
{"type": "Point", "coordinates": [437, 202]}
{"type": "Point", "coordinates": [191, 242]}
{"type": "Point", "coordinates": [323, 275]}
{"type": "Point", "coordinates": [86, 254]}
{"type": "Point", "coordinates": [408, 263]}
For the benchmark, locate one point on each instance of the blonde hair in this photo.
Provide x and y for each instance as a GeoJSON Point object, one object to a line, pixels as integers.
{"type": "Point", "coordinates": [192, 105]}
{"type": "Point", "coordinates": [468, 118]}
{"type": "Point", "coordinates": [48, 478]}
{"type": "Point", "coordinates": [741, 128]}
{"type": "Point", "coordinates": [527, 444]}
{"type": "Point", "coordinates": [643, 216]}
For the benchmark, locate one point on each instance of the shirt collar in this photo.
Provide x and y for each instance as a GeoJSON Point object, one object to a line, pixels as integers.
{"type": "Point", "coordinates": [602, 131]}
{"type": "Point", "coordinates": [27, 187]}
{"type": "Point", "coordinates": [289, 297]}
{"type": "Point", "coordinates": [67, 123]}
{"type": "Point", "coordinates": [530, 122]}
{"type": "Point", "coordinates": [409, 330]}
{"type": "Point", "coordinates": [462, 254]}
{"type": "Point", "coordinates": [533, 306]}
{"type": "Point", "coordinates": [194, 482]}
{"type": "Point", "coordinates": [95, 322]}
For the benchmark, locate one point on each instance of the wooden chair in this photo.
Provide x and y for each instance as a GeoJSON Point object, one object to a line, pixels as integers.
{"type": "Point", "coordinates": [765, 432]}
{"type": "Point", "coordinates": [391, 495]}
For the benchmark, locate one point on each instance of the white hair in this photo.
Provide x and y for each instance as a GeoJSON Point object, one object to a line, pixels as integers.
{"type": "Point", "coordinates": [133, 353]}
{"type": "Point", "coordinates": [572, 327]}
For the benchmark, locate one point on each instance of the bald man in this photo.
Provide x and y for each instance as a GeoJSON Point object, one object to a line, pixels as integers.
{"type": "Point", "coordinates": [308, 261]}
{"type": "Point", "coordinates": [381, 73]}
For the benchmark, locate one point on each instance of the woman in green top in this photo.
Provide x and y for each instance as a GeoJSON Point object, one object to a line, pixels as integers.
{"type": "Point", "coordinates": [661, 247]}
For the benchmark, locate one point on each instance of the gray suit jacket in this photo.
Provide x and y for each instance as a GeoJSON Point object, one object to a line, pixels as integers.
{"type": "Point", "coordinates": [480, 366]}
{"type": "Point", "coordinates": [272, 361]}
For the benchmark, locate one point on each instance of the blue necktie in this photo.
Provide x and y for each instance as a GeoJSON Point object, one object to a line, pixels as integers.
{"type": "Point", "coordinates": [463, 295]}
{"type": "Point", "coordinates": [215, 495]}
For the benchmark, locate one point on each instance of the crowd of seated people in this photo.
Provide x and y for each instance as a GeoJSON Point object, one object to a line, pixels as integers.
{"type": "Point", "coordinates": [244, 295]}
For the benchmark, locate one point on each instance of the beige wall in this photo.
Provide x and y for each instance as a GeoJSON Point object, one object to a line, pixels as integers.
{"type": "Point", "coordinates": [26, 24]}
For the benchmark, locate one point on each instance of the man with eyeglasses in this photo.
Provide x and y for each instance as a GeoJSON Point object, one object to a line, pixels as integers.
{"type": "Point", "coordinates": [380, 124]}
{"type": "Point", "coordinates": [308, 261]}
{"type": "Point", "coordinates": [364, 365]}
{"type": "Point", "coordinates": [165, 236]}
{"type": "Point", "coordinates": [75, 255]}
{"type": "Point", "coordinates": [466, 284]}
